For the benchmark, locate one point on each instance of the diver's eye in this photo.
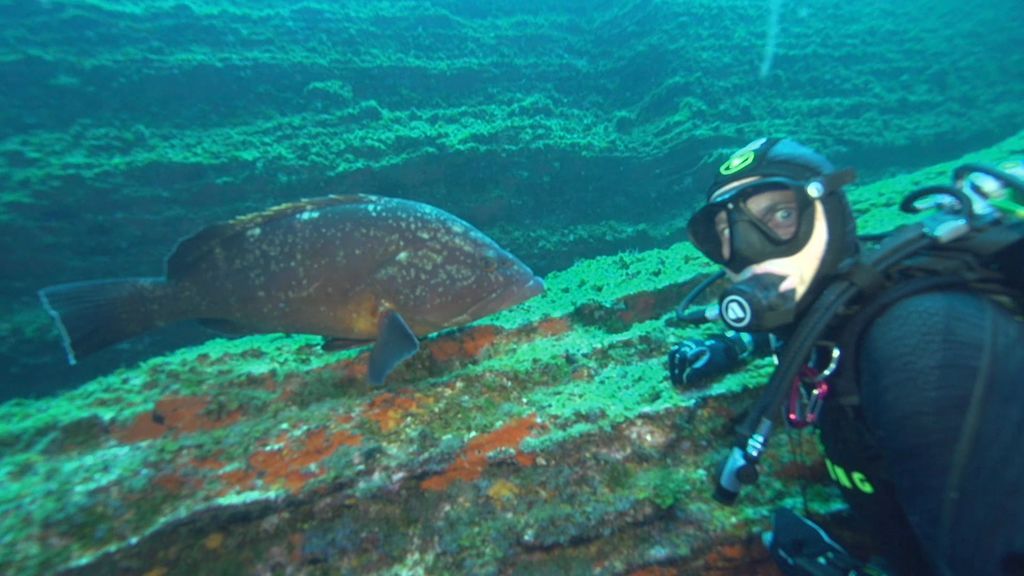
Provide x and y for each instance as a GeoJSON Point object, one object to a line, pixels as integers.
{"type": "Point", "coordinates": [777, 210]}
{"type": "Point", "coordinates": [781, 219]}
{"type": "Point", "coordinates": [785, 214]}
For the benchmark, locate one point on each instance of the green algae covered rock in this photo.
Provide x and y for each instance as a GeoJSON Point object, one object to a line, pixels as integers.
{"type": "Point", "coordinates": [545, 436]}
{"type": "Point", "coordinates": [546, 439]}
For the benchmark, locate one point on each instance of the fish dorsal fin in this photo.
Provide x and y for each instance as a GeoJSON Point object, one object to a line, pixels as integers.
{"type": "Point", "coordinates": [196, 247]}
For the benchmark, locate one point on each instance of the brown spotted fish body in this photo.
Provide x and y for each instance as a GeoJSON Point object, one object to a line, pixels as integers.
{"type": "Point", "coordinates": [350, 268]}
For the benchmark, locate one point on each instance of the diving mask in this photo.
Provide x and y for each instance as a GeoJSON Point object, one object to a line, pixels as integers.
{"type": "Point", "coordinates": [763, 219]}
{"type": "Point", "coordinates": [774, 237]}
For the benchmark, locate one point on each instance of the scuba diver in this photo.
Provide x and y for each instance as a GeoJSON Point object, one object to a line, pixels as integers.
{"type": "Point", "coordinates": [907, 355]}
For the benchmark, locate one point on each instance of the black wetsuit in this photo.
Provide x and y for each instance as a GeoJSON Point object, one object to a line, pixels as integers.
{"type": "Point", "coordinates": [933, 404]}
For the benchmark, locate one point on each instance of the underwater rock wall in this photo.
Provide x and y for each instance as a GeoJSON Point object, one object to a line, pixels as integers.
{"type": "Point", "coordinates": [546, 439]}
{"type": "Point", "coordinates": [563, 130]}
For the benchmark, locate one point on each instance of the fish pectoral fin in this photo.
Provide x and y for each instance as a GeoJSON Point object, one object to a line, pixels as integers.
{"type": "Point", "coordinates": [335, 344]}
{"type": "Point", "coordinates": [395, 342]}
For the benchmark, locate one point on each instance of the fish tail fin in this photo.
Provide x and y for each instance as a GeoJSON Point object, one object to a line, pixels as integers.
{"type": "Point", "coordinates": [94, 315]}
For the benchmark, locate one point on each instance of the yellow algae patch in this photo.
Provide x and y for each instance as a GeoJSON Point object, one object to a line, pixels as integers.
{"type": "Point", "coordinates": [502, 489]}
{"type": "Point", "coordinates": [389, 410]}
{"type": "Point", "coordinates": [214, 541]}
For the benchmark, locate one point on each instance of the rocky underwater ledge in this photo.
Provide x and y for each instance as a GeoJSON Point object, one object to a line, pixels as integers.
{"type": "Point", "coordinates": [544, 439]}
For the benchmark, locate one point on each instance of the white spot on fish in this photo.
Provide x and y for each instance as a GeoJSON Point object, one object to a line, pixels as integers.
{"type": "Point", "coordinates": [308, 215]}
{"type": "Point", "coordinates": [402, 256]}
{"type": "Point", "coordinates": [253, 232]}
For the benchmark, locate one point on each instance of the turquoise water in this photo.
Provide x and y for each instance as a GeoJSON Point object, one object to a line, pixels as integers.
{"type": "Point", "coordinates": [577, 134]}
{"type": "Point", "coordinates": [125, 126]}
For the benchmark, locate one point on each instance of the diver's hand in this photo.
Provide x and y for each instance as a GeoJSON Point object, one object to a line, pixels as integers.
{"type": "Point", "coordinates": [693, 362]}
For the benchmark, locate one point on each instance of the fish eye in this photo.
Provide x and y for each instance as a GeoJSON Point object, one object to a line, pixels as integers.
{"type": "Point", "coordinates": [489, 260]}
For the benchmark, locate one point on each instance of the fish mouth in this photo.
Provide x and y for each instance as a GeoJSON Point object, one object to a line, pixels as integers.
{"type": "Point", "coordinates": [519, 294]}
{"type": "Point", "coordinates": [507, 298]}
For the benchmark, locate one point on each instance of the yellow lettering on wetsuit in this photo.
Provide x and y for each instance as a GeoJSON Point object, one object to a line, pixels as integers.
{"type": "Point", "coordinates": [849, 480]}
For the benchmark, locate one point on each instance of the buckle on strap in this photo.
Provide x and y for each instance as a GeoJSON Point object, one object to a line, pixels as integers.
{"type": "Point", "coordinates": [809, 390]}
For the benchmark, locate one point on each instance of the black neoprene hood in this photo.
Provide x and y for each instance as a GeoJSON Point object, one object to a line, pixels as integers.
{"type": "Point", "coordinates": [768, 157]}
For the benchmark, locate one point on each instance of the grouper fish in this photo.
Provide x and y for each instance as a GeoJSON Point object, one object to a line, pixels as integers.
{"type": "Point", "coordinates": [354, 269]}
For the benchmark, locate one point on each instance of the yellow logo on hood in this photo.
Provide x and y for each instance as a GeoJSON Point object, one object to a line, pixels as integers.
{"type": "Point", "coordinates": [737, 162]}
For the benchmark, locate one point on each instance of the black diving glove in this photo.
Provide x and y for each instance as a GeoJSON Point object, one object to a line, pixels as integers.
{"type": "Point", "coordinates": [692, 362]}
{"type": "Point", "coordinates": [801, 548]}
